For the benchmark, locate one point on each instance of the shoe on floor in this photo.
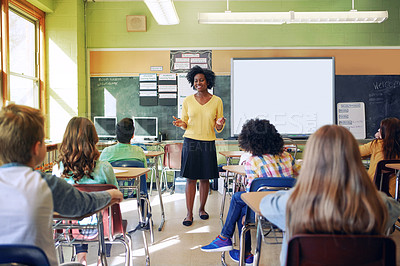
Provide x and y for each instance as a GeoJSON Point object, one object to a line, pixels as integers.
{"type": "Point", "coordinates": [218, 245]}
{"type": "Point", "coordinates": [187, 222]}
{"type": "Point", "coordinates": [235, 256]}
{"type": "Point", "coordinates": [204, 216]}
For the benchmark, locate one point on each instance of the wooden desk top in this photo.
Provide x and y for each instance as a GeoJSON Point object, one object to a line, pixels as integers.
{"type": "Point", "coordinates": [395, 166]}
{"type": "Point", "coordinates": [153, 153]}
{"type": "Point", "coordinates": [232, 154]}
{"type": "Point", "coordinates": [253, 199]}
{"type": "Point", "coordinates": [130, 172]}
{"type": "Point", "coordinates": [237, 169]}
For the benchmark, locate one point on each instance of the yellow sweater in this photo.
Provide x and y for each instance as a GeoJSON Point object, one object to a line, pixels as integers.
{"type": "Point", "coordinates": [201, 119]}
{"type": "Point", "coordinates": [375, 150]}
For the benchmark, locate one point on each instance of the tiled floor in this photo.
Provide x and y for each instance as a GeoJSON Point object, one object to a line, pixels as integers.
{"type": "Point", "coordinates": [180, 245]}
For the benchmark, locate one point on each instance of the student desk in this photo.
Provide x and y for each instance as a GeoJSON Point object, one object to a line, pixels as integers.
{"type": "Point", "coordinates": [58, 224]}
{"type": "Point", "coordinates": [230, 155]}
{"type": "Point", "coordinates": [156, 155]}
{"type": "Point", "coordinates": [129, 173]}
{"type": "Point", "coordinates": [253, 199]}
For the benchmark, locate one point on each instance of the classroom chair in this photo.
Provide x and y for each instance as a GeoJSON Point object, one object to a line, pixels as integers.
{"type": "Point", "coordinates": [262, 184]}
{"type": "Point", "coordinates": [23, 254]}
{"type": "Point", "coordinates": [114, 227]}
{"type": "Point", "coordinates": [344, 250]}
{"type": "Point", "coordinates": [171, 162]}
{"type": "Point", "coordinates": [382, 180]}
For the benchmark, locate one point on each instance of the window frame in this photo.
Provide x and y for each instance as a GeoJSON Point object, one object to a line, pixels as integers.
{"type": "Point", "coordinates": [26, 9]}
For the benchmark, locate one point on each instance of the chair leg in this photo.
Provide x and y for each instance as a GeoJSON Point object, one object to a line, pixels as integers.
{"type": "Point", "coordinates": [151, 181]}
{"type": "Point", "coordinates": [223, 262]}
{"type": "Point", "coordinates": [245, 228]}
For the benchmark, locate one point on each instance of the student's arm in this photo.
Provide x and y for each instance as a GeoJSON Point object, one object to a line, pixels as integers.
{"type": "Point", "coordinates": [69, 201]}
{"type": "Point", "coordinates": [273, 207]}
{"type": "Point", "coordinates": [251, 170]}
{"type": "Point", "coordinates": [109, 174]}
{"type": "Point", "coordinates": [295, 166]}
{"type": "Point", "coordinates": [366, 149]}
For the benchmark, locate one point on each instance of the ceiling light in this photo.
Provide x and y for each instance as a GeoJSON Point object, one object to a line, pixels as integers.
{"type": "Point", "coordinates": [163, 11]}
{"type": "Point", "coordinates": [352, 16]}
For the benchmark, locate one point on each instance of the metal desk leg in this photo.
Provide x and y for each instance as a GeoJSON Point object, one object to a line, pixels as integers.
{"type": "Point", "coordinates": [221, 215]}
{"type": "Point", "coordinates": [158, 184]}
{"type": "Point", "coordinates": [139, 208]}
{"type": "Point", "coordinates": [226, 183]}
{"type": "Point", "coordinates": [102, 245]}
{"type": "Point", "coordinates": [257, 254]}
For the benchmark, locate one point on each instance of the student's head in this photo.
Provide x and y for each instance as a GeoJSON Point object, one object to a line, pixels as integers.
{"type": "Point", "coordinates": [390, 133]}
{"type": "Point", "coordinates": [333, 193]}
{"type": "Point", "coordinates": [21, 128]}
{"type": "Point", "coordinates": [259, 136]}
{"type": "Point", "coordinates": [208, 75]}
{"type": "Point", "coordinates": [78, 151]}
{"type": "Point", "coordinates": [125, 130]}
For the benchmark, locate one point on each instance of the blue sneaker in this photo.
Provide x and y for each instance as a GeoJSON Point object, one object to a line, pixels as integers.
{"type": "Point", "coordinates": [235, 255]}
{"type": "Point", "coordinates": [218, 245]}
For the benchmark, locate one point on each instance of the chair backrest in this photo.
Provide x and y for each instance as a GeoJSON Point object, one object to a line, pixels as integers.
{"type": "Point", "coordinates": [132, 163]}
{"type": "Point", "coordinates": [23, 254]}
{"type": "Point", "coordinates": [128, 164]}
{"type": "Point", "coordinates": [172, 155]}
{"type": "Point", "coordinates": [272, 183]}
{"type": "Point", "coordinates": [112, 218]}
{"type": "Point", "coordinates": [329, 250]}
{"type": "Point", "coordinates": [383, 174]}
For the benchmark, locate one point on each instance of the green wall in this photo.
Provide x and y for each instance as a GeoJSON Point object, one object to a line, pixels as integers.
{"type": "Point", "coordinates": [66, 73]}
{"type": "Point", "coordinates": [107, 26]}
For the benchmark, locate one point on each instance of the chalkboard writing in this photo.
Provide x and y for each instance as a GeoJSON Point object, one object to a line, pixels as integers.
{"type": "Point", "coordinates": [380, 94]}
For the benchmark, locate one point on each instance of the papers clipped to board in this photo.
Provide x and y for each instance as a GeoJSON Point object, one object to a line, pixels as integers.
{"type": "Point", "coordinates": [352, 116]}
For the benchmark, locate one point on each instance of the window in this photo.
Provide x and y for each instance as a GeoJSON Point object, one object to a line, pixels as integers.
{"type": "Point", "coordinates": [23, 58]}
{"type": "Point", "coordinates": [24, 80]}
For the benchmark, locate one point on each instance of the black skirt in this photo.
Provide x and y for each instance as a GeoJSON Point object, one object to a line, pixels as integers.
{"type": "Point", "coordinates": [199, 159]}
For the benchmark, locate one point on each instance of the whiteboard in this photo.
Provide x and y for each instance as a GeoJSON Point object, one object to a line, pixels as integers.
{"type": "Point", "coordinates": [295, 94]}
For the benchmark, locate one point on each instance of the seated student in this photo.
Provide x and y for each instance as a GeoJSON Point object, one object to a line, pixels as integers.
{"type": "Point", "coordinates": [385, 146]}
{"type": "Point", "coordinates": [268, 159]}
{"type": "Point", "coordinates": [124, 151]}
{"type": "Point", "coordinates": [333, 193]}
{"type": "Point", "coordinates": [28, 198]}
{"type": "Point", "coordinates": [79, 164]}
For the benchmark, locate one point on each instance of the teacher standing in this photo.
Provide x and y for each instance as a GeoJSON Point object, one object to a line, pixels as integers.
{"type": "Point", "coordinates": [201, 114]}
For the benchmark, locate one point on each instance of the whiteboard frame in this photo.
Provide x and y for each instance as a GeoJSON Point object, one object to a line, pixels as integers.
{"type": "Point", "coordinates": [281, 58]}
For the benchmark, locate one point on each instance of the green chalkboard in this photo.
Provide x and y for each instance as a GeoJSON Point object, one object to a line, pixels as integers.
{"type": "Point", "coordinates": [120, 95]}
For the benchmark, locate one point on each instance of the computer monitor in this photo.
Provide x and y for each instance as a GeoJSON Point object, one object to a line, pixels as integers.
{"type": "Point", "coordinates": [146, 128]}
{"type": "Point", "coordinates": [105, 127]}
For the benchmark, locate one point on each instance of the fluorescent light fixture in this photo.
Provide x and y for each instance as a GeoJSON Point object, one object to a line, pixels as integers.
{"type": "Point", "coordinates": [163, 11]}
{"type": "Point", "coordinates": [352, 16]}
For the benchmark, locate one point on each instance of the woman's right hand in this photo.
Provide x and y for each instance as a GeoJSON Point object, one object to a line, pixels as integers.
{"type": "Point", "coordinates": [179, 122]}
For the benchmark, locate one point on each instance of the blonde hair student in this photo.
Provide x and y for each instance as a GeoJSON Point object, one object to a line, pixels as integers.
{"type": "Point", "coordinates": [28, 198]}
{"type": "Point", "coordinates": [333, 193]}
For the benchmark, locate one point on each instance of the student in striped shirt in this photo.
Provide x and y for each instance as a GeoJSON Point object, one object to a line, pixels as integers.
{"type": "Point", "coordinates": [260, 138]}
